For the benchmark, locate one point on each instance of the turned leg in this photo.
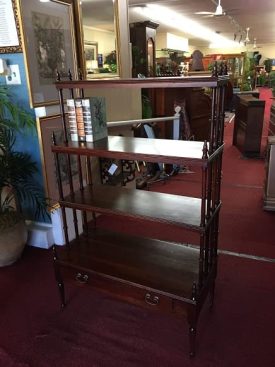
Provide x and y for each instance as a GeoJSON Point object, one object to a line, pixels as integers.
{"type": "Point", "coordinates": [59, 279]}
{"type": "Point", "coordinates": [212, 295]}
{"type": "Point", "coordinates": [62, 293]}
{"type": "Point", "coordinates": [192, 340]}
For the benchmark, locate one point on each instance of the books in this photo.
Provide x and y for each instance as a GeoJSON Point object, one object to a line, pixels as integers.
{"type": "Point", "coordinates": [72, 119]}
{"type": "Point", "coordinates": [87, 119]}
{"type": "Point", "coordinates": [88, 129]}
{"type": "Point", "coordinates": [79, 120]}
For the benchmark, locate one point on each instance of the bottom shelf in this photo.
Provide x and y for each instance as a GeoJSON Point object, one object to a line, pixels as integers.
{"type": "Point", "coordinates": [163, 267]}
{"type": "Point", "coordinates": [150, 273]}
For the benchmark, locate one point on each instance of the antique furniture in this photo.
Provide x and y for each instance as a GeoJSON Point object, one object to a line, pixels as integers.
{"type": "Point", "coordinates": [248, 125]}
{"type": "Point", "coordinates": [157, 274]}
{"type": "Point", "coordinates": [143, 40]}
{"type": "Point", "coordinates": [269, 186]}
{"type": "Point", "coordinates": [198, 108]}
{"type": "Point", "coordinates": [237, 94]}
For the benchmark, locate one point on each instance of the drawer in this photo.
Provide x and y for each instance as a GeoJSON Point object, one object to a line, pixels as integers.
{"type": "Point", "coordinates": [125, 291]}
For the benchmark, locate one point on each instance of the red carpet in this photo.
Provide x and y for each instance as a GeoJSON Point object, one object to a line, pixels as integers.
{"type": "Point", "coordinates": [244, 226]}
{"type": "Point", "coordinates": [96, 331]}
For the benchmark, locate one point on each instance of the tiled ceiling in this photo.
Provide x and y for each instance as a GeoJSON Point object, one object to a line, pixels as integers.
{"type": "Point", "coordinates": [258, 15]}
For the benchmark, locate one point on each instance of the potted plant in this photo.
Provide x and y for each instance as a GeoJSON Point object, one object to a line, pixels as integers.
{"type": "Point", "coordinates": [17, 185]}
{"type": "Point", "coordinates": [272, 82]}
{"type": "Point", "coordinates": [111, 61]}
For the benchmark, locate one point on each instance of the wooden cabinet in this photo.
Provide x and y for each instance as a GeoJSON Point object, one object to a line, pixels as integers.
{"type": "Point", "coordinates": [157, 274]}
{"type": "Point", "coordinates": [238, 94]}
{"type": "Point", "coordinates": [143, 40]}
{"type": "Point", "coordinates": [269, 186]}
{"type": "Point", "coordinates": [198, 108]}
{"type": "Point", "coordinates": [248, 125]}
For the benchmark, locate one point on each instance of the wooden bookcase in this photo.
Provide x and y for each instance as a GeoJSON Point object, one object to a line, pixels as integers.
{"type": "Point", "coordinates": [169, 276]}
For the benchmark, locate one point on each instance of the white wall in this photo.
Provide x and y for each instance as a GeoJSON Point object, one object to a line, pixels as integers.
{"type": "Point", "coordinates": [105, 40]}
{"type": "Point", "coordinates": [121, 104]}
{"type": "Point", "coordinates": [267, 51]}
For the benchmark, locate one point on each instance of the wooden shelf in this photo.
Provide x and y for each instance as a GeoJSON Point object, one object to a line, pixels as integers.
{"type": "Point", "coordinates": [193, 81]}
{"type": "Point", "coordinates": [167, 268]}
{"type": "Point", "coordinates": [179, 210]}
{"type": "Point", "coordinates": [143, 149]}
{"type": "Point", "coordinates": [176, 277]}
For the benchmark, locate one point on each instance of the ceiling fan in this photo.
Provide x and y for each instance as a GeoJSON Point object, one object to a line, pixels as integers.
{"type": "Point", "coordinates": [255, 44]}
{"type": "Point", "coordinates": [217, 13]}
{"type": "Point", "coordinates": [247, 35]}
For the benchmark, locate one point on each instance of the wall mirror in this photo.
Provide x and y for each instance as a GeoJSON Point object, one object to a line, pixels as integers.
{"type": "Point", "coordinates": [99, 34]}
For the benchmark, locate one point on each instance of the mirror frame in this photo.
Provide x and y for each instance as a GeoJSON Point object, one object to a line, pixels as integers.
{"type": "Point", "coordinates": [82, 61]}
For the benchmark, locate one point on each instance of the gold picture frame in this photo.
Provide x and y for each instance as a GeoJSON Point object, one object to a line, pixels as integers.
{"type": "Point", "coordinates": [45, 127]}
{"type": "Point", "coordinates": [17, 47]}
{"type": "Point", "coordinates": [91, 50]}
{"type": "Point", "coordinates": [49, 43]}
{"type": "Point", "coordinates": [91, 56]}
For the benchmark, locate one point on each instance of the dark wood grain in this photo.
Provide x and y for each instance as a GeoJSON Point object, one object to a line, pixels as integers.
{"type": "Point", "coordinates": [173, 209]}
{"type": "Point", "coordinates": [168, 268]}
{"type": "Point", "coordinates": [168, 275]}
{"type": "Point", "coordinates": [248, 125]}
{"type": "Point", "coordinates": [271, 127]}
{"type": "Point", "coordinates": [163, 82]}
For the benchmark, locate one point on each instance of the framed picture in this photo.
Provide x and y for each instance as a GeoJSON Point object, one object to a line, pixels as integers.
{"type": "Point", "coordinates": [10, 36]}
{"type": "Point", "coordinates": [91, 50]}
{"type": "Point", "coordinates": [49, 44]}
{"type": "Point", "coordinates": [45, 127]}
{"type": "Point", "coordinates": [91, 54]}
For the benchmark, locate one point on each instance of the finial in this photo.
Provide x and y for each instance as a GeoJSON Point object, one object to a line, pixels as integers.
{"type": "Point", "coordinates": [215, 69]}
{"type": "Point", "coordinates": [205, 150]}
{"type": "Point", "coordinates": [58, 77]}
{"type": "Point", "coordinates": [70, 75]}
{"type": "Point", "coordinates": [80, 74]}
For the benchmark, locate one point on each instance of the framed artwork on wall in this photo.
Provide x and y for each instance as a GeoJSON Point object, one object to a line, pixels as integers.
{"type": "Point", "coordinates": [91, 56]}
{"type": "Point", "coordinates": [10, 36]}
{"type": "Point", "coordinates": [45, 127]}
{"type": "Point", "coordinates": [91, 50]}
{"type": "Point", "coordinates": [49, 45]}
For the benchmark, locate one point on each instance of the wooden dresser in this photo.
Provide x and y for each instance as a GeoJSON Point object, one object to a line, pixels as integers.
{"type": "Point", "coordinates": [248, 126]}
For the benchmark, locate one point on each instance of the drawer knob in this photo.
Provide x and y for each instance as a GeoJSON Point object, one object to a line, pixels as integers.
{"type": "Point", "coordinates": [81, 278]}
{"type": "Point", "coordinates": [151, 299]}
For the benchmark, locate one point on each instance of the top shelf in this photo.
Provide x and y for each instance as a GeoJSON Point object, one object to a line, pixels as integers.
{"type": "Point", "coordinates": [163, 82]}
{"type": "Point", "coordinates": [152, 150]}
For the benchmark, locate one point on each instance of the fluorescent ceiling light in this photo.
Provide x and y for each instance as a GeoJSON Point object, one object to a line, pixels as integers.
{"type": "Point", "coordinates": [166, 16]}
{"type": "Point", "coordinates": [226, 44]}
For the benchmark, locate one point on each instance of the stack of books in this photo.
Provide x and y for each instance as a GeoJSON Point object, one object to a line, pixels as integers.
{"type": "Point", "coordinates": [87, 119]}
